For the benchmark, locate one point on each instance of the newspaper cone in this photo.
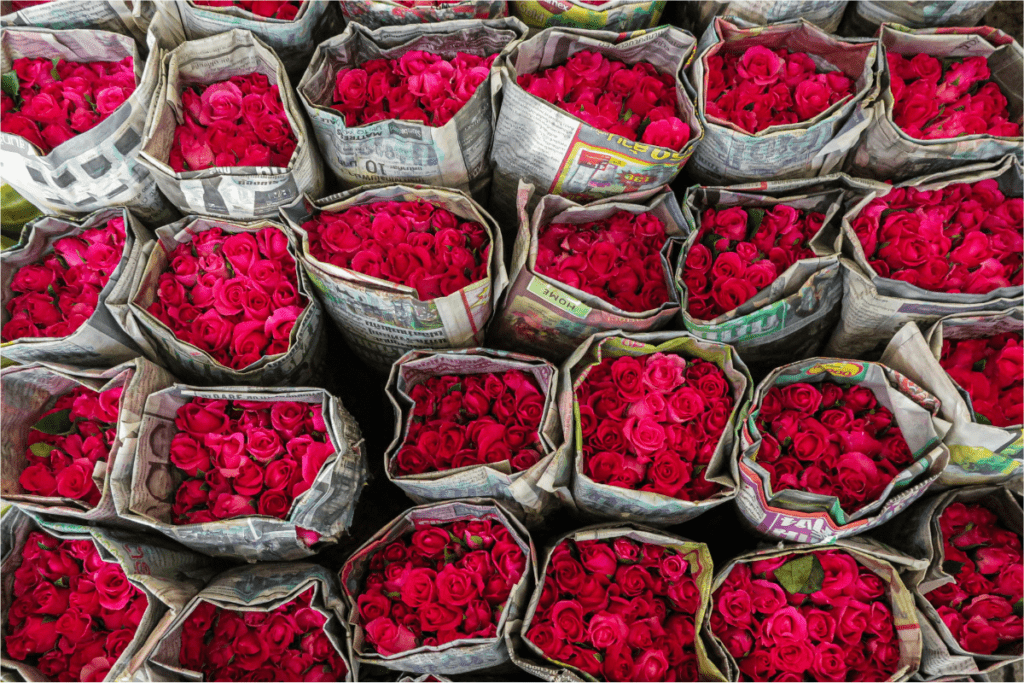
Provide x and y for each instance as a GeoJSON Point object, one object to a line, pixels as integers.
{"type": "Point", "coordinates": [128, 18]}
{"type": "Point", "coordinates": [376, 13]}
{"type": "Point", "coordinates": [620, 16]}
{"type": "Point", "coordinates": [825, 14]}
{"type": "Point", "coordinates": [864, 16]}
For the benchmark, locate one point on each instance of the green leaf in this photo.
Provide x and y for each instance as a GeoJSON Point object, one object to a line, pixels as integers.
{"type": "Point", "coordinates": [476, 540]}
{"type": "Point", "coordinates": [951, 567]}
{"type": "Point", "coordinates": [455, 387]}
{"type": "Point", "coordinates": [801, 575]}
{"type": "Point", "coordinates": [754, 218]}
{"type": "Point", "coordinates": [10, 84]}
{"type": "Point", "coordinates": [49, 619]}
{"type": "Point", "coordinates": [42, 450]}
{"type": "Point", "coordinates": [53, 69]}
{"type": "Point", "coordinates": [1018, 608]}
{"type": "Point", "coordinates": [57, 424]}
{"type": "Point", "coordinates": [982, 419]}
{"type": "Point", "coordinates": [62, 582]}
{"type": "Point", "coordinates": [980, 365]}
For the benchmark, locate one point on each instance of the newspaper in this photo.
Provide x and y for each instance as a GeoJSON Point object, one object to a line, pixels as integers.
{"type": "Point", "coordinates": [458, 656]}
{"type": "Point", "coordinates": [918, 532]}
{"type": "Point", "coordinates": [128, 17]}
{"type": "Point", "coordinates": [531, 493]}
{"type": "Point", "coordinates": [100, 167]}
{"type": "Point", "coordinates": [30, 390]}
{"type": "Point", "coordinates": [307, 346]}
{"type": "Point", "coordinates": [293, 40]}
{"type": "Point", "coordinates": [453, 155]}
{"type": "Point", "coordinates": [620, 16]}
{"type": "Point", "coordinates": [540, 144]}
{"type": "Point", "coordinates": [804, 517]}
{"type": "Point", "coordinates": [864, 16]}
{"type": "Point", "coordinates": [825, 14]}
{"type": "Point", "coordinates": [875, 308]}
{"type": "Point", "coordinates": [531, 659]}
{"type": "Point", "coordinates": [887, 153]}
{"type": "Point", "coordinates": [260, 588]}
{"type": "Point", "coordinates": [648, 507]}
{"type": "Point", "coordinates": [886, 562]}
{"type": "Point", "coordinates": [168, 575]}
{"type": "Point", "coordinates": [145, 490]}
{"type": "Point", "coordinates": [241, 192]}
{"type": "Point", "coordinates": [793, 316]}
{"type": "Point", "coordinates": [806, 149]}
{"type": "Point", "coordinates": [99, 341]}
{"type": "Point", "coordinates": [382, 320]}
{"type": "Point", "coordinates": [978, 453]}
{"type": "Point", "coordinates": [376, 13]}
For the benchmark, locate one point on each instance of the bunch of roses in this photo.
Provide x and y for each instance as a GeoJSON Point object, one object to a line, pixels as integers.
{"type": "Point", "coordinates": [619, 610]}
{"type": "Point", "coordinates": [616, 258]}
{"type": "Point", "coordinates": [55, 296]}
{"type": "Point", "coordinates": [739, 252]}
{"type": "Point", "coordinates": [831, 440]}
{"type": "Point", "coordinates": [763, 88]}
{"type": "Point", "coordinates": [74, 613]}
{"type": "Point", "coordinates": [962, 238]}
{"type": "Point", "coordinates": [652, 423]}
{"type": "Point", "coordinates": [984, 558]}
{"type": "Point", "coordinates": [947, 98]}
{"type": "Point", "coordinates": [461, 420]}
{"type": "Point", "coordinates": [441, 583]}
{"type": "Point", "coordinates": [55, 100]}
{"type": "Point", "coordinates": [413, 243]}
{"type": "Point", "coordinates": [286, 643]}
{"type": "Point", "coordinates": [234, 296]}
{"type": "Point", "coordinates": [242, 458]}
{"type": "Point", "coordinates": [237, 122]}
{"type": "Point", "coordinates": [268, 9]}
{"type": "Point", "coordinates": [67, 442]}
{"type": "Point", "coordinates": [835, 625]}
{"type": "Point", "coordinates": [635, 102]}
{"type": "Point", "coordinates": [991, 370]}
{"type": "Point", "coordinates": [418, 86]}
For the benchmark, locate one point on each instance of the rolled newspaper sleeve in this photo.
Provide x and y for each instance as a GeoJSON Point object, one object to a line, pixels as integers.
{"type": "Point", "coordinates": [888, 153]}
{"type": "Point", "coordinates": [885, 562]}
{"type": "Point", "coordinates": [301, 362]}
{"type": "Point", "coordinates": [795, 514]}
{"type": "Point", "coordinates": [609, 501]}
{"type": "Point", "coordinates": [131, 19]}
{"type": "Point", "coordinates": [530, 658]}
{"type": "Point", "coordinates": [864, 16]}
{"type": "Point", "coordinates": [382, 320]}
{"type": "Point", "coordinates": [259, 589]}
{"type": "Point", "coordinates": [452, 155]}
{"type": "Point", "coordinates": [30, 390]}
{"type": "Point", "coordinates": [376, 13]}
{"type": "Point", "coordinates": [101, 167]}
{"type": "Point", "coordinates": [99, 341]}
{"type": "Point", "coordinates": [149, 488]}
{"type": "Point", "coordinates": [805, 149]}
{"type": "Point", "coordinates": [237, 192]}
{"type": "Point", "coordinates": [825, 14]}
{"type": "Point", "coordinates": [550, 318]}
{"type": "Point", "coordinates": [167, 574]}
{"type": "Point", "coordinates": [556, 152]}
{"type": "Point", "coordinates": [619, 16]}
{"type": "Point", "coordinates": [465, 655]}
{"type": "Point", "coordinates": [875, 308]}
{"type": "Point", "coordinates": [530, 493]}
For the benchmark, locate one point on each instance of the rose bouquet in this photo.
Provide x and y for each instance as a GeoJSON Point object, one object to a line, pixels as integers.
{"type": "Point", "coordinates": [620, 604]}
{"type": "Point", "coordinates": [434, 577]}
{"type": "Point", "coordinates": [376, 13]}
{"type": "Point", "coordinates": [285, 10]}
{"type": "Point", "coordinates": [990, 370]}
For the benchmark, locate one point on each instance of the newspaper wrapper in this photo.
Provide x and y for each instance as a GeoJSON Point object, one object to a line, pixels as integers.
{"type": "Point", "coordinates": [261, 588]}
{"type": "Point", "coordinates": [530, 493]}
{"type": "Point", "coordinates": [887, 153]}
{"type": "Point", "coordinates": [240, 192]}
{"type": "Point", "coordinates": [793, 316]}
{"type": "Point", "coordinates": [804, 517]}
{"type": "Point", "coordinates": [458, 656]}
{"type": "Point", "coordinates": [531, 659]}
{"type": "Point", "coordinates": [169, 576]}
{"type": "Point", "coordinates": [147, 491]}
{"type": "Point", "coordinates": [815, 147]}
{"type": "Point", "coordinates": [875, 308]}
{"type": "Point", "coordinates": [128, 17]}
{"type": "Point", "coordinates": [453, 155]}
{"type": "Point", "coordinates": [825, 14]}
{"type": "Point", "coordinates": [884, 561]}
{"type": "Point", "coordinates": [864, 16]}
{"type": "Point", "coordinates": [30, 390]}
{"type": "Point", "coordinates": [306, 347]}
{"type": "Point", "coordinates": [382, 320]}
{"type": "Point", "coordinates": [978, 453]}
{"type": "Point", "coordinates": [99, 341]}
{"type": "Point", "coordinates": [648, 507]}
{"type": "Point", "coordinates": [550, 318]}
{"type": "Point", "coordinates": [376, 13]}
{"type": "Point", "coordinates": [620, 16]}
{"type": "Point", "coordinates": [540, 144]}
{"type": "Point", "coordinates": [918, 532]}
{"type": "Point", "coordinates": [100, 167]}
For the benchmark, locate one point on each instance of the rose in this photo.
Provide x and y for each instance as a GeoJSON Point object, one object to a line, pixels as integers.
{"type": "Point", "coordinates": [388, 637]}
{"type": "Point", "coordinates": [760, 65]}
